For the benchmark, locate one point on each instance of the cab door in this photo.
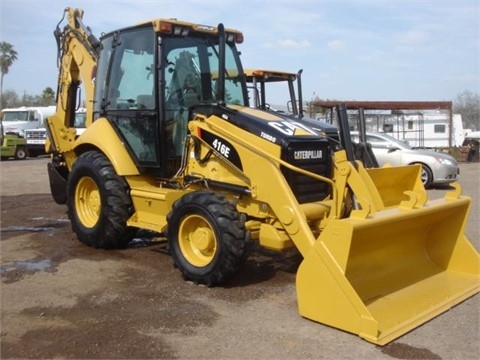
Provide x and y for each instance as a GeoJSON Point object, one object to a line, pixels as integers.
{"type": "Point", "coordinates": [127, 94]}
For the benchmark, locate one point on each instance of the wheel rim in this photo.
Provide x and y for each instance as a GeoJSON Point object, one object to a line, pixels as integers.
{"type": "Point", "coordinates": [87, 201]}
{"type": "Point", "coordinates": [424, 176]}
{"type": "Point", "coordinates": [21, 154]}
{"type": "Point", "coordinates": [197, 240]}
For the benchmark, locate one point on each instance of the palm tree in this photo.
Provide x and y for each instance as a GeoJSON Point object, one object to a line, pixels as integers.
{"type": "Point", "coordinates": [48, 97]}
{"type": "Point", "coordinates": [7, 56]}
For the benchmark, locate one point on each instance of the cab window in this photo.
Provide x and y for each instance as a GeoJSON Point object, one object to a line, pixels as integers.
{"type": "Point", "coordinates": [130, 102]}
{"type": "Point", "coordinates": [131, 83]}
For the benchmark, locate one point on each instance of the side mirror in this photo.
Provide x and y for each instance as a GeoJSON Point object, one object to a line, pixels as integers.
{"type": "Point", "coordinates": [391, 148]}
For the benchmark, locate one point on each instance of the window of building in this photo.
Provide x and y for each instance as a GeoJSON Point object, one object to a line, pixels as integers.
{"type": "Point", "coordinates": [439, 128]}
{"type": "Point", "coordinates": [388, 128]}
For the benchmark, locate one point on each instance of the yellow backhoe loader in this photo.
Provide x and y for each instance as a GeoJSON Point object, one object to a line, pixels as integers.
{"type": "Point", "coordinates": [172, 146]}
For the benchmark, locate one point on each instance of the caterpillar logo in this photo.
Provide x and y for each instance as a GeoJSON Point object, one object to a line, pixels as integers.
{"type": "Point", "coordinates": [308, 154]}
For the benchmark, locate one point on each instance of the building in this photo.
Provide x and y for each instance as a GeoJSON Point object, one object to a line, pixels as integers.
{"type": "Point", "coordinates": [421, 124]}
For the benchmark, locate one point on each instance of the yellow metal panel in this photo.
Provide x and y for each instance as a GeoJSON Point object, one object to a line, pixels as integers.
{"type": "Point", "coordinates": [101, 135]}
{"type": "Point", "coordinates": [152, 203]}
{"type": "Point", "coordinates": [273, 239]}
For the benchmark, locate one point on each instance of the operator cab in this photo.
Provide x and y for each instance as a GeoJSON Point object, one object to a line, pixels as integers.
{"type": "Point", "coordinates": [149, 77]}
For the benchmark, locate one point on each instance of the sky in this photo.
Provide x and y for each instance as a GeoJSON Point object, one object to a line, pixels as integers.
{"type": "Point", "coordinates": [418, 50]}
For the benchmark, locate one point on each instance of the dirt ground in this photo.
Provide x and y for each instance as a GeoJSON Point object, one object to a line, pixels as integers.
{"type": "Point", "coordinates": [61, 299]}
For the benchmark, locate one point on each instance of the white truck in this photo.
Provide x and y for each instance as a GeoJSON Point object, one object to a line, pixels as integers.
{"type": "Point", "coordinates": [36, 137]}
{"type": "Point", "coordinates": [18, 120]}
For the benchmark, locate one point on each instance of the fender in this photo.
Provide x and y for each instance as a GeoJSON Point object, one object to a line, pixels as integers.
{"type": "Point", "coordinates": [102, 136]}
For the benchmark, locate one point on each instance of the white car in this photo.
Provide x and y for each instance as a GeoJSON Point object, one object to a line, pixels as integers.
{"type": "Point", "coordinates": [437, 168]}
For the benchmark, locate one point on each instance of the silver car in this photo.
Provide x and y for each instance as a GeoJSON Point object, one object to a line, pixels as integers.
{"type": "Point", "coordinates": [437, 168]}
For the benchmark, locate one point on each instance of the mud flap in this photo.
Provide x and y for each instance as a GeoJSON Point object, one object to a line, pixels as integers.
{"type": "Point", "coordinates": [383, 275]}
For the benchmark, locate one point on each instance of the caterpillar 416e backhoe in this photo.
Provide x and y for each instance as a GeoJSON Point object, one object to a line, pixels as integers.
{"type": "Point", "coordinates": [172, 146]}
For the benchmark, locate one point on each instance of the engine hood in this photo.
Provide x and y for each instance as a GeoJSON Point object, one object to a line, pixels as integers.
{"type": "Point", "coordinates": [430, 153]}
{"type": "Point", "coordinates": [17, 127]}
{"type": "Point", "coordinates": [270, 126]}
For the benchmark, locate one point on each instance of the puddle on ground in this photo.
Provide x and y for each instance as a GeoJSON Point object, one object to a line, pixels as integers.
{"type": "Point", "coordinates": [52, 224]}
{"type": "Point", "coordinates": [144, 238]}
{"type": "Point", "coordinates": [144, 242]}
{"type": "Point", "coordinates": [33, 265]}
{"type": "Point", "coordinates": [48, 227]}
{"type": "Point", "coordinates": [42, 218]}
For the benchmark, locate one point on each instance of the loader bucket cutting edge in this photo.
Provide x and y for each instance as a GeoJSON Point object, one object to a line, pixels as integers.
{"type": "Point", "coordinates": [383, 276]}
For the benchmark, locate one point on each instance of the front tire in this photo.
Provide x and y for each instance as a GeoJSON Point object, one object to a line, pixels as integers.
{"type": "Point", "coordinates": [207, 237]}
{"type": "Point", "coordinates": [98, 203]}
{"type": "Point", "coordinates": [426, 176]}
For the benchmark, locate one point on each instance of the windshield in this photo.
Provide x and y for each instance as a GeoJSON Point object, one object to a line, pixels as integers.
{"type": "Point", "coordinates": [400, 144]}
{"type": "Point", "coordinates": [80, 118]}
{"type": "Point", "coordinates": [191, 72]}
{"type": "Point", "coordinates": [190, 75]}
{"type": "Point", "coordinates": [15, 116]}
{"type": "Point", "coordinates": [382, 140]}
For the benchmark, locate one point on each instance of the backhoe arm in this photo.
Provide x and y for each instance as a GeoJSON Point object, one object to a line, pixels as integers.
{"type": "Point", "coordinates": [77, 59]}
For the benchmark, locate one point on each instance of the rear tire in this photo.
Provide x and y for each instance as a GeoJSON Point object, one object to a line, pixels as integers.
{"type": "Point", "coordinates": [98, 203]}
{"type": "Point", "coordinates": [20, 153]}
{"type": "Point", "coordinates": [207, 237]}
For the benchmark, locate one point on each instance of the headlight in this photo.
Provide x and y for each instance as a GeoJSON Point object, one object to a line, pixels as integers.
{"type": "Point", "coordinates": [446, 161]}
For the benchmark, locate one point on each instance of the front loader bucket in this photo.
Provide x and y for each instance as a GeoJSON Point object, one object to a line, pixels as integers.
{"type": "Point", "coordinates": [382, 275]}
{"type": "Point", "coordinates": [392, 183]}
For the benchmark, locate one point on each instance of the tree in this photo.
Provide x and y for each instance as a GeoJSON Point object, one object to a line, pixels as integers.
{"type": "Point", "coordinates": [48, 97]}
{"type": "Point", "coordinates": [467, 104]}
{"type": "Point", "coordinates": [10, 99]}
{"type": "Point", "coordinates": [7, 57]}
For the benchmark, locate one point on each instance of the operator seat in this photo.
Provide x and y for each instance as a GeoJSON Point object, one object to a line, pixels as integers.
{"type": "Point", "coordinates": [145, 102]}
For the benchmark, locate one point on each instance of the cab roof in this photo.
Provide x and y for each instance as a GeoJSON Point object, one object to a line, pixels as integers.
{"type": "Point", "coordinates": [269, 75]}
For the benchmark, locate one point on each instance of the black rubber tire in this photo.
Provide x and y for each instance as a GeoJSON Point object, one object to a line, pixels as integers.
{"type": "Point", "coordinates": [34, 153]}
{"type": "Point", "coordinates": [20, 153]}
{"type": "Point", "coordinates": [110, 209]}
{"type": "Point", "coordinates": [226, 227]}
{"type": "Point", "coordinates": [427, 176]}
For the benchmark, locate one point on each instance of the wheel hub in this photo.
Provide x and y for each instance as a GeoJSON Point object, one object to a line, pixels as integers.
{"type": "Point", "coordinates": [88, 202]}
{"type": "Point", "coordinates": [197, 240]}
{"type": "Point", "coordinates": [203, 240]}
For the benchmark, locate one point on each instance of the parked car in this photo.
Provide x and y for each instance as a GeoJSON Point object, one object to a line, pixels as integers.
{"type": "Point", "coordinates": [437, 168]}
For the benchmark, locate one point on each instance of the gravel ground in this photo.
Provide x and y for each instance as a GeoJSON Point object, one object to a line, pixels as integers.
{"type": "Point", "coordinates": [61, 299]}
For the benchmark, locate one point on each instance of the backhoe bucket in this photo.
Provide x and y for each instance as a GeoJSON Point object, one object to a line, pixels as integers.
{"type": "Point", "coordinates": [382, 275]}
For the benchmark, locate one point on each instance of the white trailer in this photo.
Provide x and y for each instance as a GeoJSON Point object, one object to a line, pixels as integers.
{"type": "Point", "coordinates": [434, 130]}
{"type": "Point", "coordinates": [423, 130]}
